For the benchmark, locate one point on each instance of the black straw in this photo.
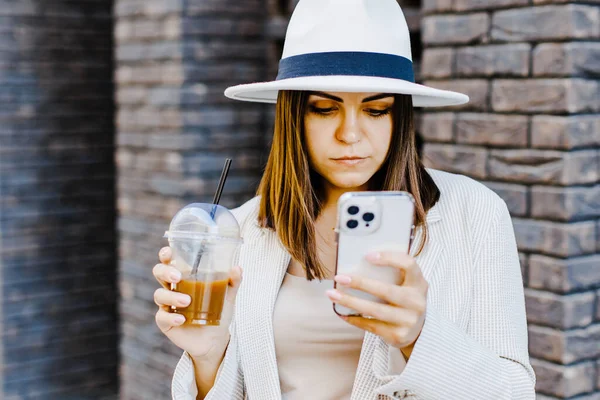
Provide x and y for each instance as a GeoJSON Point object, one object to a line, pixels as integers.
{"type": "Point", "coordinates": [217, 197]}
{"type": "Point", "coordinates": [214, 210]}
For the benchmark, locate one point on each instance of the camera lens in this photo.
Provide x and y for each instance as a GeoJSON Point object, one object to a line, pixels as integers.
{"type": "Point", "coordinates": [368, 217]}
{"type": "Point", "coordinates": [352, 223]}
{"type": "Point", "coordinates": [352, 210]}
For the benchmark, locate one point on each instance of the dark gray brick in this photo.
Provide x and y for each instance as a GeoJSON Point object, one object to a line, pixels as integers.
{"type": "Point", "coordinates": [437, 63]}
{"type": "Point", "coordinates": [544, 166]}
{"type": "Point", "coordinates": [492, 129]}
{"type": "Point", "coordinates": [455, 29]}
{"type": "Point", "coordinates": [565, 204]}
{"type": "Point", "coordinates": [557, 132]}
{"type": "Point", "coordinates": [437, 5]}
{"type": "Point", "coordinates": [231, 7]}
{"type": "Point", "coordinates": [476, 89]}
{"type": "Point", "coordinates": [564, 275]}
{"type": "Point", "coordinates": [567, 59]}
{"type": "Point", "coordinates": [545, 95]}
{"type": "Point", "coordinates": [558, 311]}
{"type": "Point", "coordinates": [545, 23]}
{"type": "Point", "coordinates": [437, 127]}
{"type": "Point", "coordinates": [470, 5]}
{"type": "Point", "coordinates": [506, 60]}
{"type": "Point", "coordinates": [524, 262]}
{"type": "Point", "coordinates": [148, 8]}
{"type": "Point", "coordinates": [598, 311]}
{"type": "Point", "coordinates": [565, 347]}
{"type": "Point", "coordinates": [563, 381]}
{"type": "Point", "coordinates": [552, 238]}
{"type": "Point", "coordinates": [222, 27]}
{"type": "Point", "coordinates": [459, 159]}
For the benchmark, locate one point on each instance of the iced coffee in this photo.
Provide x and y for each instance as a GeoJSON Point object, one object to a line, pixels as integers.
{"type": "Point", "coordinates": [205, 240]}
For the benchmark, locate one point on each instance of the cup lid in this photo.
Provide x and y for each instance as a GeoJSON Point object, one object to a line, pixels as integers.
{"type": "Point", "coordinates": [204, 221]}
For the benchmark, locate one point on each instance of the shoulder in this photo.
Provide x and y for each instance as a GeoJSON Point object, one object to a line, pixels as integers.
{"type": "Point", "coordinates": [466, 197]}
{"type": "Point", "coordinates": [246, 211]}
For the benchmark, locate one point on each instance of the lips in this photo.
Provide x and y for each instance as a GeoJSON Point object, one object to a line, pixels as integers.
{"type": "Point", "coordinates": [348, 158]}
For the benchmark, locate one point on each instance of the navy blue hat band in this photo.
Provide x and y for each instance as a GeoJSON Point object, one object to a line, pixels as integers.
{"type": "Point", "coordinates": [346, 63]}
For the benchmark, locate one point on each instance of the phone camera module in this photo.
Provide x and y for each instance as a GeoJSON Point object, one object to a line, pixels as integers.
{"type": "Point", "coordinates": [368, 217]}
{"type": "Point", "coordinates": [352, 223]}
{"type": "Point", "coordinates": [353, 210]}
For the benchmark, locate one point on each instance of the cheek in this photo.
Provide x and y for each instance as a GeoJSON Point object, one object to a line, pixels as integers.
{"type": "Point", "coordinates": [381, 141]}
{"type": "Point", "coordinates": [316, 134]}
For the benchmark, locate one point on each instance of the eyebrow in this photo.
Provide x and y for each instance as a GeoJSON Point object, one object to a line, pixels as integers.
{"type": "Point", "coordinates": [365, 100]}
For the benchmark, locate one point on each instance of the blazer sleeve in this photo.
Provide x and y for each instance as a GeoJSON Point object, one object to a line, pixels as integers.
{"type": "Point", "coordinates": [490, 360]}
{"type": "Point", "coordinates": [229, 382]}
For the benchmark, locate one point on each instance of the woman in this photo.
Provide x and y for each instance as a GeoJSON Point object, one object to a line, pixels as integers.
{"type": "Point", "coordinates": [454, 328]}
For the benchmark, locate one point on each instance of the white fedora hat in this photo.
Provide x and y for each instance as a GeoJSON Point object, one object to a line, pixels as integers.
{"type": "Point", "coordinates": [347, 46]}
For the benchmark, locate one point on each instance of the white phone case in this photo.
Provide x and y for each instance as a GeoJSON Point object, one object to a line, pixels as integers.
{"type": "Point", "coordinates": [391, 229]}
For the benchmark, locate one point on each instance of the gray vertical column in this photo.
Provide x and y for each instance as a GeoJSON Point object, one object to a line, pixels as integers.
{"type": "Point", "coordinates": [175, 129]}
{"type": "Point", "coordinates": [532, 133]}
{"type": "Point", "coordinates": [57, 234]}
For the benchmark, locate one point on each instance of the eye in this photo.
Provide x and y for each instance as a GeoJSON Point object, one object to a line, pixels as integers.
{"type": "Point", "coordinates": [378, 113]}
{"type": "Point", "coordinates": [322, 111]}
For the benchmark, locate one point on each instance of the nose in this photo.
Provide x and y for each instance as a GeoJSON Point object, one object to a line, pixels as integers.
{"type": "Point", "coordinates": [349, 130]}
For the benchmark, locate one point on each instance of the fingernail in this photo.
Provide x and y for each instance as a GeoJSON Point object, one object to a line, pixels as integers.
{"type": "Point", "coordinates": [373, 256]}
{"type": "Point", "coordinates": [333, 294]}
{"type": "Point", "coordinates": [342, 279]}
{"type": "Point", "coordinates": [163, 252]}
{"type": "Point", "coordinates": [183, 300]}
{"type": "Point", "coordinates": [175, 276]}
{"type": "Point", "coordinates": [179, 319]}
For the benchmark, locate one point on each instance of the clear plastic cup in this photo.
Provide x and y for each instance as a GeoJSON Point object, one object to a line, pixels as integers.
{"type": "Point", "coordinates": [205, 241]}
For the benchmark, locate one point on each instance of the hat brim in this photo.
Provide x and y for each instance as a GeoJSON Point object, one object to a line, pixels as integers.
{"type": "Point", "coordinates": [423, 96]}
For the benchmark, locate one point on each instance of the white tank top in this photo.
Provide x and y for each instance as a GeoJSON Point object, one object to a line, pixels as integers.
{"type": "Point", "coordinates": [317, 352]}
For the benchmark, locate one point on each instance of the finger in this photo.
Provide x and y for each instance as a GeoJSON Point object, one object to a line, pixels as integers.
{"type": "Point", "coordinates": [164, 297]}
{"type": "Point", "coordinates": [403, 296]}
{"type": "Point", "coordinates": [403, 261]}
{"type": "Point", "coordinates": [165, 254]}
{"type": "Point", "coordinates": [396, 336]}
{"type": "Point", "coordinates": [235, 276]}
{"type": "Point", "coordinates": [382, 312]}
{"type": "Point", "coordinates": [235, 279]}
{"type": "Point", "coordinates": [374, 326]}
{"type": "Point", "coordinates": [165, 274]}
{"type": "Point", "coordinates": [166, 320]}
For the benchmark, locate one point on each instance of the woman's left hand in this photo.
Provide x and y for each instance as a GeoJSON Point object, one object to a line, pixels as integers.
{"type": "Point", "coordinates": [400, 321]}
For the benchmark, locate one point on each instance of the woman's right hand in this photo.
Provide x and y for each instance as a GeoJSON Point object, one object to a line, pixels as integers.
{"type": "Point", "coordinates": [199, 341]}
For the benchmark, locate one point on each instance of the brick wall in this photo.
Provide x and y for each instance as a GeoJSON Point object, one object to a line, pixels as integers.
{"type": "Point", "coordinates": [174, 130]}
{"type": "Point", "coordinates": [532, 133]}
{"type": "Point", "coordinates": [58, 330]}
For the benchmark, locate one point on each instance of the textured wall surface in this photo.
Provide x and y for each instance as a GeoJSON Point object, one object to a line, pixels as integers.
{"type": "Point", "coordinates": [532, 133]}
{"type": "Point", "coordinates": [58, 329]}
{"type": "Point", "coordinates": [174, 130]}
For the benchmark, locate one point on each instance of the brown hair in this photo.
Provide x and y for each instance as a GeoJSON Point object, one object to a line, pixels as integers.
{"type": "Point", "coordinates": [292, 193]}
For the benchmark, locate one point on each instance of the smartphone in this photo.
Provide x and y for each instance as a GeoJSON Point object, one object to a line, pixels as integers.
{"type": "Point", "coordinates": [368, 222]}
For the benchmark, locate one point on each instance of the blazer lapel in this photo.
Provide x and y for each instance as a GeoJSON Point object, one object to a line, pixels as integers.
{"type": "Point", "coordinates": [265, 261]}
{"type": "Point", "coordinates": [373, 367]}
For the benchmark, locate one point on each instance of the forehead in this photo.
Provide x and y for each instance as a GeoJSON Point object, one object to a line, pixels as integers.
{"type": "Point", "coordinates": [348, 96]}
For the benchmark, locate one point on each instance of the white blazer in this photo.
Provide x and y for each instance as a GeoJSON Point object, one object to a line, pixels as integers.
{"type": "Point", "coordinates": [474, 341]}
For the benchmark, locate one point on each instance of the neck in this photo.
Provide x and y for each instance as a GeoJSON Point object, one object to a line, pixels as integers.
{"type": "Point", "coordinates": [333, 193]}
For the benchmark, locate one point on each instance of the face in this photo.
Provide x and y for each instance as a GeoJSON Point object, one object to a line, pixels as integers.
{"type": "Point", "coordinates": [348, 136]}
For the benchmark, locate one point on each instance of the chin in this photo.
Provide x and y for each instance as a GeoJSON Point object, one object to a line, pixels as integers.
{"type": "Point", "coordinates": [349, 180]}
